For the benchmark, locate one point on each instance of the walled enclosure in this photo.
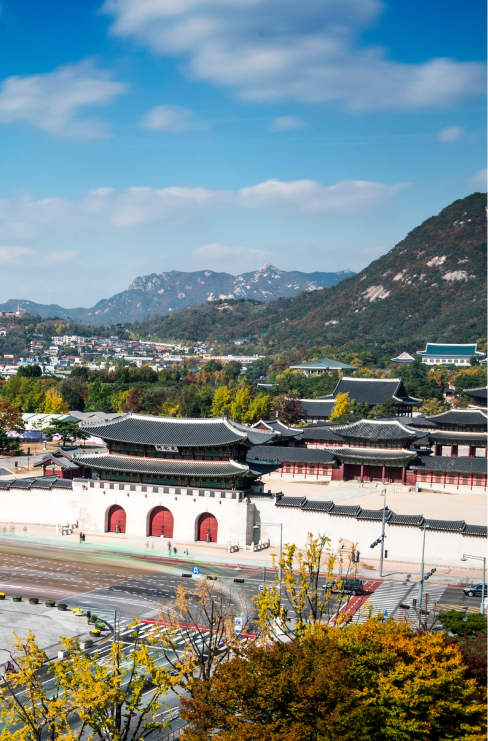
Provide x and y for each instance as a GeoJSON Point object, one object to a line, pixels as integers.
{"type": "Point", "coordinates": [88, 502]}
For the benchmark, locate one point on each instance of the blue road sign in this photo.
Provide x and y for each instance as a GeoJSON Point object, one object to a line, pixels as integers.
{"type": "Point", "coordinates": [195, 570]}
{"type": "Point", "coordinates": [238, 625]}
{"type": "Point", "coordinates": [261, 587]}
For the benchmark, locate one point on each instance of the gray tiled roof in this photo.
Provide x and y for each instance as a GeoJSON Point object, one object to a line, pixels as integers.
{"type": "Point", "coordinates": [145, 429]}
{"type": "Point", "coordinates": [450, 464]}
{"type": "Point", "coordinates": [163, 467]}
{"type": "Point", "coordinates": [375, 391]}
{"type": "Point", "coordinates": [275, 425]}
{"type": "Point", "coordinates": [322, 432]}
{"type": "Point", "coordinates": [345, 510]}
{"type": "Point", "coordinates": [375, 429]}
{"type": "Point", "coordinates": [290, 454]}
{"type": "Point", "coordinates": [480, 393]}
{"type": "Point", "coordinates": [477, 530]}
{"type": "Point", "coordinates": [318, 505]}
{"type": "Point", "coordinates": [291, 502]}
{"type": "Point", "coordinates": [59, 460]}
{"type": "Point", "coordinates": [317, 408]}
{"type": "Point", "coordinates": [464, 438]}
{"type": "Point", "coordinates": [374, 514]}
{"type": "Point", "coordinates": [374, 454]}
{"type": "Point", "coordinates": [412, 520]}
{"type": "Point", "coordinates": [42, 482]}
{"type": "Point", "coordinates": [465, 417]}
{"type": "Point", "coordinates": [447, 525]}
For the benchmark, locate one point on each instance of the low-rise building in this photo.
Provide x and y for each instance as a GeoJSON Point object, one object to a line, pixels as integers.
{"type": "Point", "coordinates": [444, 354]}
{"type": "Point", "coordinates": [323, 365]}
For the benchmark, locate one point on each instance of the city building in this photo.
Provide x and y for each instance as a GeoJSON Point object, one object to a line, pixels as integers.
{"type": "Point", "coordinates": [442, 354]}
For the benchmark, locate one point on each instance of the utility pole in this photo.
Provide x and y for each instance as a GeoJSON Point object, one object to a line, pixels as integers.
{"type": "Point", "coordinates": [421, 585]}
{"type": "Point", "coordinates": [383, 494]}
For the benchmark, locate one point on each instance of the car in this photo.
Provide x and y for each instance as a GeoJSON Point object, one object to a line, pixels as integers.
{"type": "Point", "coordinates": [475, 590]}
{"type": "Point", "coordinates": [347, 586]}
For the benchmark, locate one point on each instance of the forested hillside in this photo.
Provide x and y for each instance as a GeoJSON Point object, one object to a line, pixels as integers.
{"type": "Point", "coordinates": [430, 286]}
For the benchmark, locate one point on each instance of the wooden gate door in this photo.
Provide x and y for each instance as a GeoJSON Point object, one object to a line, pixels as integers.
{"type": "Point", "coordinates": [162, 523]}
{"type": "Point", "coordinates": [116, 519]}
{"type": "Point", "coordinates": [207, 528]}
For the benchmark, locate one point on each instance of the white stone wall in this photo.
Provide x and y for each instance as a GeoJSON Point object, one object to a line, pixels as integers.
{"type": "Point", "coordinates": [89, 507]}
{"type": "Point", "coordinates": [403, 543]}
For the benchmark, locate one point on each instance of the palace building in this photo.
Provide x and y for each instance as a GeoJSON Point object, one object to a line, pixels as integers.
{"type": "Point", "coordinates": [448, 449]}
{"type": "Point", "coordinates": [372, 391]}
{"type": "Point", "coordinates": [208, 453]}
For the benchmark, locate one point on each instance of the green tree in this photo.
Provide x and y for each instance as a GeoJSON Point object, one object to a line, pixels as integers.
{"type": "Point", "coordinates": [385, 410]}
{"type": "Point", "coordinates": [430, 407]}
{"type": "Point", "coordinates": [29, 371]}
{"type": "Point", "coordinates": [67, 429]}
{"type": "Point", "coordinates": [98, 398]}
{"type": "Point", "coordinates": [460, 625]}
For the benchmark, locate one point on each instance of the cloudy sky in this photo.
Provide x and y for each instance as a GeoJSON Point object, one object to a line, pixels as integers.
{"type": "Point", "coordinates": [142, 136]}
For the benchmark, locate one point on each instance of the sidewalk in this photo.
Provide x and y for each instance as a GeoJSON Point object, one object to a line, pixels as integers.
{"type": "Point", "coordinates": [202, 553]}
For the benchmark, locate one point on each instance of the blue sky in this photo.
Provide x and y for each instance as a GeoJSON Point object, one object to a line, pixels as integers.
{"type": "Point", "coordinates": [143, 136]}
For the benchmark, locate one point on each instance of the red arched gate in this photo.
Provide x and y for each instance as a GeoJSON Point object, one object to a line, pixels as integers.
{"type": "Point", "coordinates": [116, 519]}
{"type": "Point", "coordinates": [207, 528]}
{"type": "Point", "coordinates": [161, 522]}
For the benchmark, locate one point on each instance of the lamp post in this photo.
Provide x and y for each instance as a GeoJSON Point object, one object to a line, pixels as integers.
{"type": "Point", "coordinates": [483, 589]}
{"type": "Point", "coordinates": [421, 585]}
{"type": "Point", "coordinates": [383, 494]}
{"type": "Point", "coordinates": [280, 525]}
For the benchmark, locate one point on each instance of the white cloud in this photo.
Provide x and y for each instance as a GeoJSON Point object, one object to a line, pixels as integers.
{"type": "Point", "coordinates": [310, 51]}
{"type": "Point", "coordinates": [51, 101]}
{"type": "Point", "coordinates": [170, 118]}
{"type": "Point", "coordinates": [11, 254]}
{"type": "Point", "coordinates": [479, 179]}
{"type": "Point", "coordinates": [287, 123]}
{"type": "Point", "coordinates": [110, 209]}
{"type": "Point", "coordinates": [308, 195]}
{"type": "Point", "coordinates": [450, 135]}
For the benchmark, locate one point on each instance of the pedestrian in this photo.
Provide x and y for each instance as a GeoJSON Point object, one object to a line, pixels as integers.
{"type": "Point", "coordinates": [169, 547]}
{"type": "Point", "coordinates": [175, 551]}
{"type": "Point", "coordinates": [186, 552]}
{"type": "Point", "coordinates": [88, 616]}
{"type": "Point", "coordinates": [81, 537]}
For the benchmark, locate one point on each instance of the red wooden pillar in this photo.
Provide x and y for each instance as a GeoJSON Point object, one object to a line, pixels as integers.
{"type": "Point", "coordinates": [362, 471]}
{"type": "Point", "coordinates": [404, 471]}
{"type": "Point", "coordinates": [383, 473]}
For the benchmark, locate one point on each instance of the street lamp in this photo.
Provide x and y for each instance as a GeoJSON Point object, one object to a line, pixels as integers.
{"type": "Point", "coordinates": [280, 525]}
{"type": "Point", "coordinates": [421, 585]}
{"type": "Point", "coordinates": [382, 494]}
{"type": "Point", "coordinates": [483, 590]}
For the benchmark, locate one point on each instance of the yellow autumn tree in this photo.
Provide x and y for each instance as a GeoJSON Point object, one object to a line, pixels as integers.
{"type": "Point", "coordinates": [54, 403]}
{"type": "Point", "coordinates": [342, 405]}
{"type": "Point", "coordinates": [222, 402]}
{"type": "Point", "coordinates": [259, 408]}
{"type": "Point", "coordinates": [240, 406]}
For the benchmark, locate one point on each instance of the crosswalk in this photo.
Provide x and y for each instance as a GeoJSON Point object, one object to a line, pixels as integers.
{"type": "Point", "coordinates": [386, 599]}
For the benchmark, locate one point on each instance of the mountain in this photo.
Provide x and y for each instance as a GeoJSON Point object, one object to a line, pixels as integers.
{"type": "Point", "coordinates": [173, 291]}
{"type": "Point", "coordinates": [430, 286]}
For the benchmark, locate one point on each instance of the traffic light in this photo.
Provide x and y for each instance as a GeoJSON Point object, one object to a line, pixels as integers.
{"type": "Point", "coordinates": [429, 574]}
{"type": "Point", "coordinates": [238, 581]}
{"type": "Point", "coordinates": [376, 542]}
{"type": "Point", "coordinates": [386, 554]}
